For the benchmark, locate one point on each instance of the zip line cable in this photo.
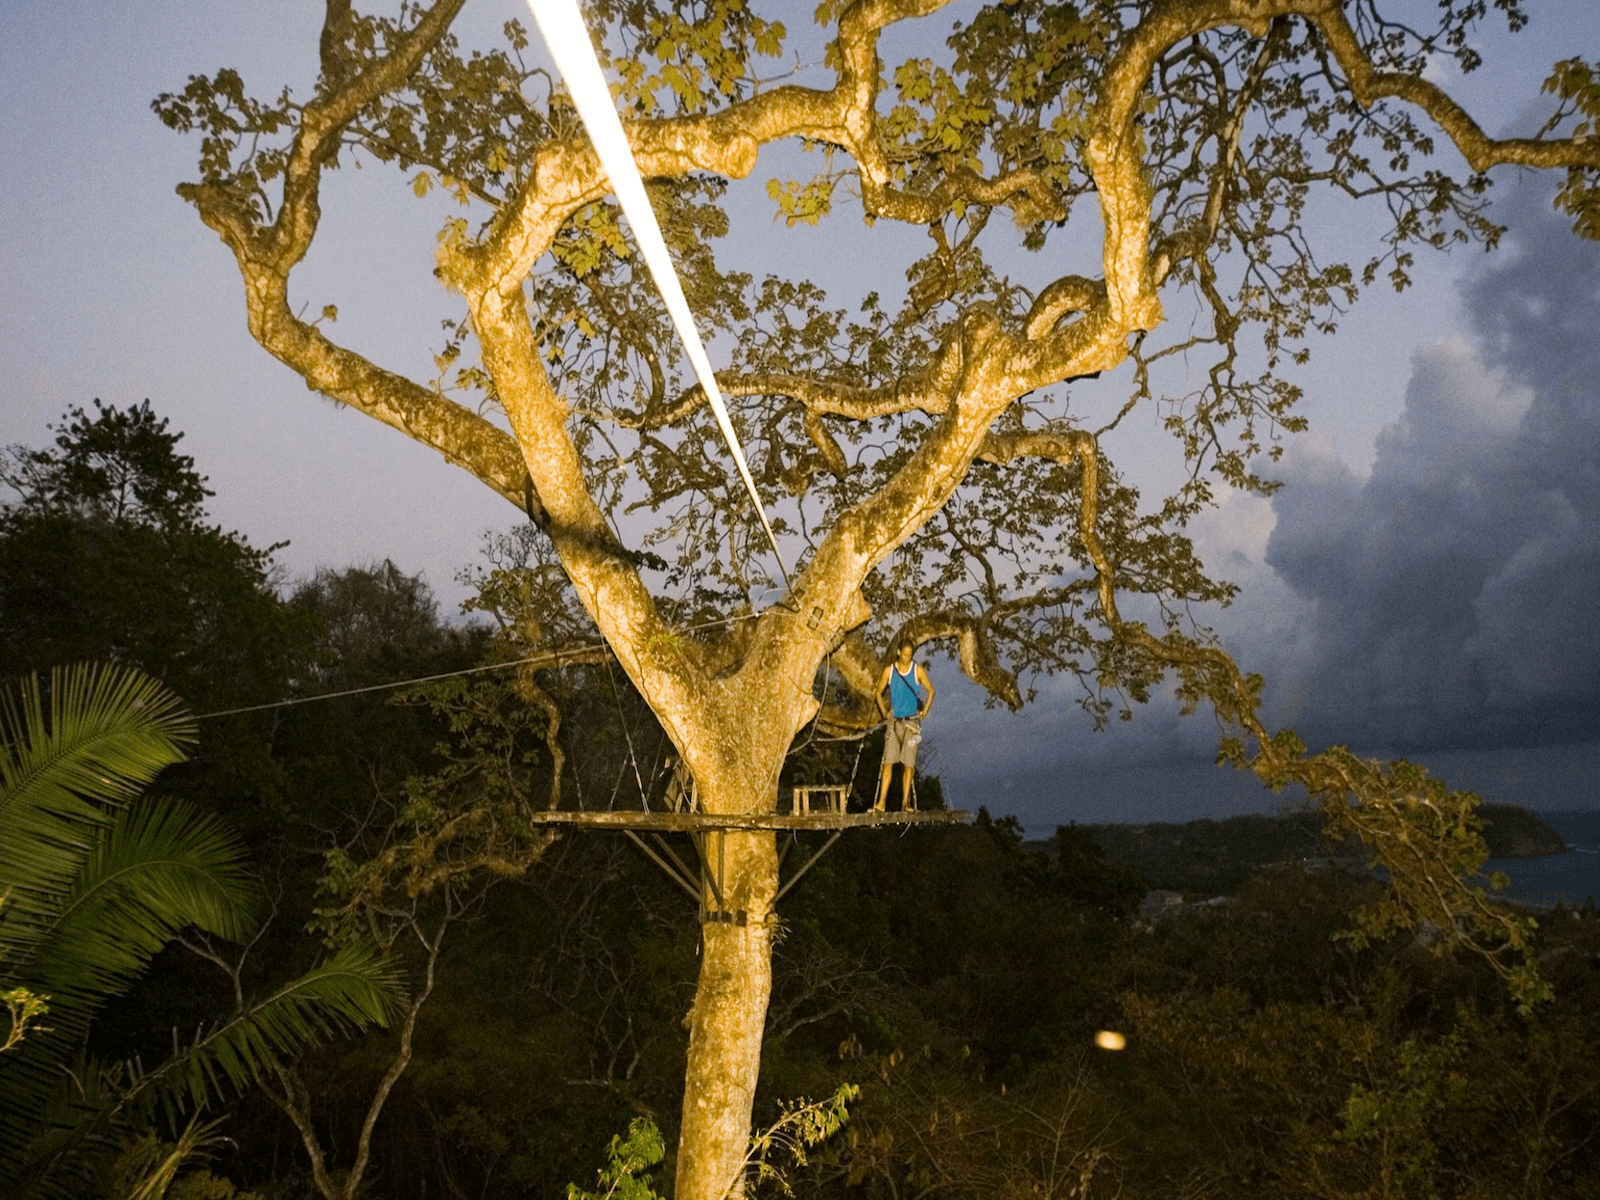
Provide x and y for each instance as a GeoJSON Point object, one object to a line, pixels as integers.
{"type": "Point", "coordinates": [564, 32]}
{"type": "Point", "coordinates": [547, 657]}
{"type": "Point", "coordinates": [550, 656]}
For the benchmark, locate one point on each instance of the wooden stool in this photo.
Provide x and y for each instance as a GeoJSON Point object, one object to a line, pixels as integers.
{"type": "Point", "coordinates": [834, 797]}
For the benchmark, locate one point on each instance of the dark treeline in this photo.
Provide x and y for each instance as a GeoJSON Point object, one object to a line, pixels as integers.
{"type": "Point", "coordinates": [957, 977]}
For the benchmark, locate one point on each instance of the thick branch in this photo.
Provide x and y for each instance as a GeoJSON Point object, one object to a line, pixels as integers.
{"type": "Point", "coordinates": [1067, 295]}
{"type": "Point", "coordinates": [1063, 446]}
{"type": "Point", "coordinates": [1482, 152]}
{"type": "Point", "coordinates": [336, 15]}
{"type": "Point", "coordinates": [1025, 191]}
{"type": "Point", "coordinates": [1028, 193]}
{"type": "Point", "coordinates": [974, 648]}
{"type": "Point", "coordinates": [858, 668]}
{"type": "Point", "coordinates": [323, 121]}
{"type": "Point", "coordinates": [266, 257]}
{"type": "Point", "coordinates": [994, 369]}
{"type": "Point", "coordinates": [930, 390]}
{"type": "Point", "coordinates": [568, 175]}
{"type": "Point", "coordinates": [668, 668]}
{"type": "Point", "coordinates": [465, 439]}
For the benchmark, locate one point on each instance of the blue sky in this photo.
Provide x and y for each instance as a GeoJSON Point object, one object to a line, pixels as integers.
{"type": "Point", "coordinates": [1392, 608]}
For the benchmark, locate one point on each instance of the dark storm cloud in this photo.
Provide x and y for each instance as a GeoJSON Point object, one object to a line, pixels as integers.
{"type": "Point", "coordinates": [1453, 590]}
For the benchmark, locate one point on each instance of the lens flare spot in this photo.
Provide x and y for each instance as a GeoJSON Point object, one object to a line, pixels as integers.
{"type": "Point", "coordinates": [1106, 1039]}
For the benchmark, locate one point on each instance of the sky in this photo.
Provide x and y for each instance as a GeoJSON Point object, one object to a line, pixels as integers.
{"type": "Point", "coordinates": [1436, 600]}
{"type": "Point", "coordinates": [1424, 583]}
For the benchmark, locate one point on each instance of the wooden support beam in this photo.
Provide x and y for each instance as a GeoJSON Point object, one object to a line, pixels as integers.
{"type": "Point", "coordinates": [680, 877]}
{"type": "Point", "coordinates": [810, 862]}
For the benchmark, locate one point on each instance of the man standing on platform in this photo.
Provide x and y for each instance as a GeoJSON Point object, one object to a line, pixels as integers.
{"type": "Point", "coordinates": [905, 684]}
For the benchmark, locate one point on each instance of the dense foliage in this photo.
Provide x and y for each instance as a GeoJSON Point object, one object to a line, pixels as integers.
{"type": "Point", "coordinates": [947, 476]}
{"type": "Point", "coordinates": [958, 978]}
{"type": "Point", "coordinates": [98, 879]}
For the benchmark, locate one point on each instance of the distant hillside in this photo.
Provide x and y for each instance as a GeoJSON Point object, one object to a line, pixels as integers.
{"type": "Point", "coordinates": [1514, 832]}
{"type": "Point", "coordinates": [1218, 856]}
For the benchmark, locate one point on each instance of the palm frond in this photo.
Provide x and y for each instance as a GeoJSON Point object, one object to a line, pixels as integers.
{"type": "Point", "coordinates": [162, 866]}
{"type": "Point", "coordinates": [356, 988]}
{"type": "Point", "coordinates": [60, 1153]}
{"type": "Point", "coordinates": [96, 885]}
{"type": "Point", "coordinates": [146, 1166]}
{"type": "Point", "coordinates": [71, 756]}
{"type": "Point", "coordinates": [80, 1118]}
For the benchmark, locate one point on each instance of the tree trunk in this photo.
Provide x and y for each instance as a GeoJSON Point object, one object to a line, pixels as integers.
{"type": "Point", "coordinates": [728, 1019]}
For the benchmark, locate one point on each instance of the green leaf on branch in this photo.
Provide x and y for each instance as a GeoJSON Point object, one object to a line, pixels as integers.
{"type": "Point", "coordinates": [800, 203]}
{"type": "Point", "coordinates": [623, 1177]}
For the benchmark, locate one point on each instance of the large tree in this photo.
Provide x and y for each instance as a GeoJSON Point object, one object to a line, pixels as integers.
{"type": "Point", "coordinates": [936, 476]}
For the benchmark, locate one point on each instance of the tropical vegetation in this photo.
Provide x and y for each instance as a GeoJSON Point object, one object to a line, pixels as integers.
{"type": "Point", "coordinates": [99, 878]}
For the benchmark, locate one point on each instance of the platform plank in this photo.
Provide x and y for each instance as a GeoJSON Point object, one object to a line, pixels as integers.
{"type": "Point", "coordinates": [694, 822]}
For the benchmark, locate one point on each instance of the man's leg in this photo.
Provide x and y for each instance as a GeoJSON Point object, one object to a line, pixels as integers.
{"type": "Point", "coordinates": [906, 770]}
{"type": "Point", "coordinates": [891, 751]}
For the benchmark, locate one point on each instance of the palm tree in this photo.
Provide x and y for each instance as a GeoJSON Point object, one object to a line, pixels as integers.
{"type": "Point", "coordinates": [97, 877]}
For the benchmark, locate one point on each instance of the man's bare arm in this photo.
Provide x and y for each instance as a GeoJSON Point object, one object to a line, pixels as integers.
{"type": "Point", "coordinates": [922, 678]}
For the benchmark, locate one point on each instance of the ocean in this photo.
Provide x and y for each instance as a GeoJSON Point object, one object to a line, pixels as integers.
{"type": "Point", "coordinates": [1571, 878]}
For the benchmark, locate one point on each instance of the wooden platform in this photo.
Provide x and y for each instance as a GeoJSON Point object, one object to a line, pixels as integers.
{"type": "Point", "coordinates": [698, 822]}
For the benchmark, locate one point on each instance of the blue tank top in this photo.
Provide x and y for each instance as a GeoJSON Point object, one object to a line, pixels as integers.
{"type": "Point", "coordinates": [905, 698]}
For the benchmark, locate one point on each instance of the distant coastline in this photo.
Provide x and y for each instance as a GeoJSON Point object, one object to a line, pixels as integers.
{"type": "Point", "coordinates": [1218, 856]}
{"type": "Point", "coordinates": [1569, 880]}
{"type": "Point", "coordinates": [1542, 779]}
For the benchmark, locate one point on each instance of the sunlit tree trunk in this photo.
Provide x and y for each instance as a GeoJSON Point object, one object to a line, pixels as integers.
{"type": "Point", "coordinates": [727, 1021]}
{"type": "Point", "coordinates": [735, 746]}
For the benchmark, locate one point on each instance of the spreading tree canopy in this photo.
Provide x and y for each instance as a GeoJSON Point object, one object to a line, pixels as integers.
{"type": "Point", "coordinates": [930, 470]}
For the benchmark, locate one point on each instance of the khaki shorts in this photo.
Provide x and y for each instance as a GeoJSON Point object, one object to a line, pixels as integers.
{"type": "Point", "coordinates": [900, 741]}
